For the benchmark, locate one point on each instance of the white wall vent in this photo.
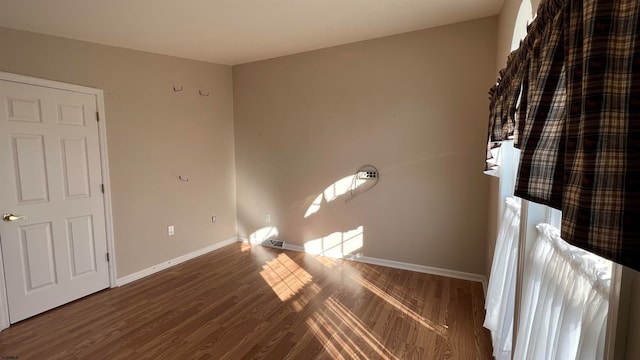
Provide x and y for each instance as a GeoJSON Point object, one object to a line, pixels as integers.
{"type": "Point", "coordinates": [274, 243]}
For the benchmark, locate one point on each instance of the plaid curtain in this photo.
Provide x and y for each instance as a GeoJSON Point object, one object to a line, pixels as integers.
{"type": "Point", "coordinates": [578, 121]}
{"type": "Point", "coordinates": [541, 142]}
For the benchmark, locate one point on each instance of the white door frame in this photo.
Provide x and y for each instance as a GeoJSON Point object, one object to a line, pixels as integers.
{"type": "Point", "coordinates": [102, 133]}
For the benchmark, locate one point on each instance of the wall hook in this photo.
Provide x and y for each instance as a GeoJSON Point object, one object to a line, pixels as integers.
{"type": "Point", "coordinates": [202, 93]}
{"type": "Point", "coordinates": [176, 88]}
{"type": "Point", "coordinates": [183, 178]}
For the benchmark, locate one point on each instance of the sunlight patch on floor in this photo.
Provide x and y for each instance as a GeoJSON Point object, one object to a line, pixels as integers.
{"type": "Point", "coordinates": [245, 246]}
{"type": "Point", "coordinates": [344, 336]}
{"type": "Point", "coordinates": [326, 261]}
{"type": "Point", "coordinates": [437, 328]}
{"type": "Point", "coordinates": [285, 277]}
{"type": "Point", "coordinates": [305, 296]}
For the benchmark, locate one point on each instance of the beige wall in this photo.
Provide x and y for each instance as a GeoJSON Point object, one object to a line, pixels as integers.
{"type": "Point", "coordinates": [153, 135]}
{"type": "Point", "coordinates": [414, 105]}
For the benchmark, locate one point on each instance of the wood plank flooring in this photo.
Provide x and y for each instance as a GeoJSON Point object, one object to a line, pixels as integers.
{"type": "Point", "coordinates": [243, 302]}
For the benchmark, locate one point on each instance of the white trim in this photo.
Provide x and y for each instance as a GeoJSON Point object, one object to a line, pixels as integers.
{"type": "Point", "coordinates": [404, 266]}
{"type": "Point", "coordinates": [617, 319]}
{"type": "Point", "coordinates": [612, 315]}
{"type": "Point", "coordinates": [173, 262]}
{"type": "Point", "coordinates": [422, 269]}
{"type": "Point", "coordinates": [106, 180]}
{"type": "Point", "coordinates": [294, 247]}
{"type": "Point", "coordinates": [4, 301]}
{"type": "Point", "coordinates": [102, 133]}
{"type": "Point", "coordinates": [47, 83]}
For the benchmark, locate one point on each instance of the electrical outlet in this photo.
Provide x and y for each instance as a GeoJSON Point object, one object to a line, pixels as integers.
{"type": "Point", "coordinates": [267, 218]}
{"type": "Point", "coordinates": [213, 219]}
{"type": "Point", "coordinates": [171, 230]}
{"type": "Point", "coordinates": [367, 174]}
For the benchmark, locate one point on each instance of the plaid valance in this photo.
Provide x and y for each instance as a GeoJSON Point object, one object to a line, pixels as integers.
{"type": "Point", "coordinates": [570, 99]}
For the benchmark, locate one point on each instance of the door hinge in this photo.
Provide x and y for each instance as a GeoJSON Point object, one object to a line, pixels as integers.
{"type": "Point", "coordinates": [97, 116]}
{"type": "Point", "coordinates": [107, 256]}
{"type": "Point", "coordinates": [102, 188]}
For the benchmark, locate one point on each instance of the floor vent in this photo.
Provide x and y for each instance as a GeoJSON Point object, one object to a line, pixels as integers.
{"type": "Point", "coordinates": [274, 243]}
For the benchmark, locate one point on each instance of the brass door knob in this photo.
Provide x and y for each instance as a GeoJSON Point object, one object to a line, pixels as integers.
{"type": "Point", "coordinates": [11, 217]}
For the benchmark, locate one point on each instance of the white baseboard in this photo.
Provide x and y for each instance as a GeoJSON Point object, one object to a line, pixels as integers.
{"type": "Point", "coordinates": [423, 269]}
{"type": "Point", "coordinates": [175, 261]}
{"type": "Point", "coordinates": [405, 266]}
{"type": "Point", "coordinates": [294, 247]}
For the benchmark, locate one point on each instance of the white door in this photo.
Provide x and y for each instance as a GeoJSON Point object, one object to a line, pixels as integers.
{"type": "Point", "coordinates": [51, 175]}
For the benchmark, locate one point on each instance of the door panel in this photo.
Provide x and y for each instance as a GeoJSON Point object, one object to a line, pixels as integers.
{"type": "Point", "coordinates": [30, 169]}
{"type": "Point", "coordinates": [82, 252]}
{"type": "Point", "coordinates": [37, 256]}
{"type": "Point", "coordinates": [51, 173]}
{"type": "Point", "coordinates": [75, 167]}
{"type": "Point", "coordinates": [25, 109]}
{"type": "Point", "coordinates": [70, 115]}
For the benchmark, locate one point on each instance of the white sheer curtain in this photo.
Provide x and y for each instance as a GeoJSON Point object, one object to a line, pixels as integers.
{"type": "Point", "coordinates": [502, 282]}
{"type": "Point", "coordinates": [565, 300]}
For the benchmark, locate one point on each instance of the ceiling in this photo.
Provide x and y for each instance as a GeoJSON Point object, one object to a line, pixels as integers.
{"type": "Point", "coordinates": [235, 31]}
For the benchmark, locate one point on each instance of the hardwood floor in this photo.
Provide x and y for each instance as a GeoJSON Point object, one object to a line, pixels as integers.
{"type": "Point", "coordinates": [244, 302]}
